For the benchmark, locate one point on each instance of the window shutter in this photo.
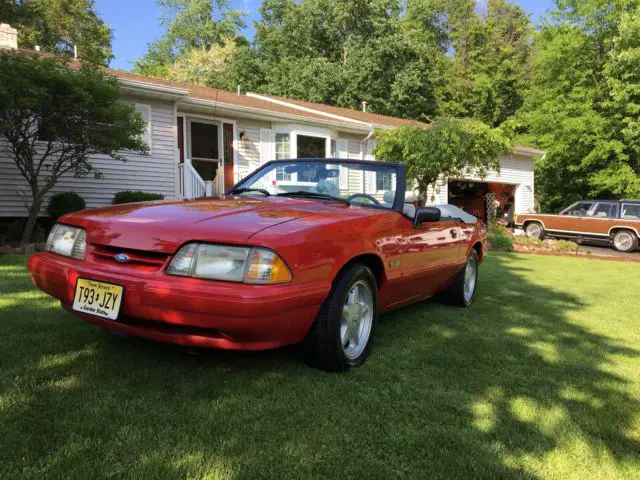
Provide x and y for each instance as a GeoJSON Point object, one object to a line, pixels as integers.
{"type": "Point", "coordinates": [343, 152]}
{"type": "Point", "coordinates": [145, 113]}
{"type": "Point", "coordinates": [265, 145]}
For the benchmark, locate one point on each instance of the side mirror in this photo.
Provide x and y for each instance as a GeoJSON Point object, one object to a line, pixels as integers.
{"type": "Point", "coordinates": [426, 214]}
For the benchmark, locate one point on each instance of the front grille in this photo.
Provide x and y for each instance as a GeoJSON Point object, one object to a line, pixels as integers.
{"type": "Point", "coordinates": [140, 258]}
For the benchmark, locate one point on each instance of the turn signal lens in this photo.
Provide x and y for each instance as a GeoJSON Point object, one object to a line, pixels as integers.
{"type": "Point", "coordinates": [266, 266]}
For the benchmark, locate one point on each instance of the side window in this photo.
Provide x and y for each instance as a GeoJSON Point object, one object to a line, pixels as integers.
{"type": "Point", "coordinates": [631, 212]}
{"type": "Point", "coordinates": [605, 210]}
{"type": "Point", "coordinates": [283, 151]}
{"type": "Point", "coordinates": [145, 113]}
{"type": "Point", "coordinates": [579, 209]}
{"type": "Point", "coordinates": [383, 181]}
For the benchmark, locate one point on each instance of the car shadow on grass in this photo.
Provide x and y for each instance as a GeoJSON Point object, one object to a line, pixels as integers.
{"type": "Point", "coordinates": [493, 391]}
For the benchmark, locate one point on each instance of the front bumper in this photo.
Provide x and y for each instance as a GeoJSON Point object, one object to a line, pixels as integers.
{"type": "Point", "coordinates": [189, 311]}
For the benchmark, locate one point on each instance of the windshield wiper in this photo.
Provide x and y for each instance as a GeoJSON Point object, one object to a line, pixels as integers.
{"type": "Point", "coordinates": [246, 190]}
{"type": "Point", "coordinates": [303, 193]}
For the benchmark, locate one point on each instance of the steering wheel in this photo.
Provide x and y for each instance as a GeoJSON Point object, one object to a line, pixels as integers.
{"type": "Point", "coordinates": [363, 195]}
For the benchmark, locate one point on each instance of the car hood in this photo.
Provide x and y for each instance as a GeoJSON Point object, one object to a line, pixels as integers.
{"type": "Point", "coordinates": [164, 226]}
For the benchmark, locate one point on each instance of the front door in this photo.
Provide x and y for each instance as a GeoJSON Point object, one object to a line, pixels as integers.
{"type": "Point", "coordinates": [204, 151]}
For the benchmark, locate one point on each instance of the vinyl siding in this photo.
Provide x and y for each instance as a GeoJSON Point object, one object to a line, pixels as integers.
{"type": "Point", "coordinates": [152, 173]}
{"type": "Point", "coordinates": [250, 153]}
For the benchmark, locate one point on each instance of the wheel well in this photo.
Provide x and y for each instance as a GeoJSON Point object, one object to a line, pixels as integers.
{"type": "Point", "coordinates": [370, 260]}
{"type": "Point", "coordinates": [478, 248]}
{"type": "Point", "coordinates": [615, 230]}
{"type": "Point", "coordinates": [527, 222]}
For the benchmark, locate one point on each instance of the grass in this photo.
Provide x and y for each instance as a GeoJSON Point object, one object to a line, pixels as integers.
{"type": "Point", "coordinates": [539, 379]}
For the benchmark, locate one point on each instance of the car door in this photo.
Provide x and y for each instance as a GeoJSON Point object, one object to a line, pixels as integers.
{"type": "Point", "coordinates": [601, 219]}
{"type": "Point", "coordinates": [572, 221]}
{"type": "Point", "coordinates": [430, 256]}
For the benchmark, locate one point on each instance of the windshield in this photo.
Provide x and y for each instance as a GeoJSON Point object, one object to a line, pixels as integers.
{"type": "Point", "coordinates": [363, 183]}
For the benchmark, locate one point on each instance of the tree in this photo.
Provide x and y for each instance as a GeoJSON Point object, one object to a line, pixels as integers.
{"type": "Point", "coordinates": [448, 148]}
{"type": "Point", "coordinates": [343, 53]}
{"type": "Point", "coordinates": [55, 119]}
{"type": "Point", "coordinates": [191, 25]}
{"type": "Point", "coordinates": [583, 106]}
{"type": "Point", "coordinates": [490, 65]}
{"type": "Point", "coordinates": [57, 25]}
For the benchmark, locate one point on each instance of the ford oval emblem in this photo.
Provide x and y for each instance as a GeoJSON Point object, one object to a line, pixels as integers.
{"type": "Point", "coordinates": [122, 258]}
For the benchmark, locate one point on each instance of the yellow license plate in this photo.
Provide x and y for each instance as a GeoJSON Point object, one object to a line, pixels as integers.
{"type": "Point", "coordinates": [98, 298]}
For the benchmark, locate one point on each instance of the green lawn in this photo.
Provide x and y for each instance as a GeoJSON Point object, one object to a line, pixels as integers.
{"type": "Point", "coordinates": [539, 379]}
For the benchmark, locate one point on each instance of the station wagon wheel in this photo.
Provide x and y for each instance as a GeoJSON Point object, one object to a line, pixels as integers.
{"type": "Point", "coordinates": [534, 230]}
{"type": "Point", "coordinates": [625, 241]}
{"type": "Point", "coordinates": [340, 337]}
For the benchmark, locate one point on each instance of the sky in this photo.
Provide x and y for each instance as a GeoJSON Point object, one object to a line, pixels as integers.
{"type": "Point", "coordinates": [136, 23]}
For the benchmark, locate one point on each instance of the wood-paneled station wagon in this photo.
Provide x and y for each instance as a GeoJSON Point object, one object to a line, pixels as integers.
{"type": "Point", "coordinates": [614, 222]}
{"type": "Point", "coordinates": [296, 252]}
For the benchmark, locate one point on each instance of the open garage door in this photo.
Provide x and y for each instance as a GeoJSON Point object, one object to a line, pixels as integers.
{"type": "Point", "coordinates": [476, 198]}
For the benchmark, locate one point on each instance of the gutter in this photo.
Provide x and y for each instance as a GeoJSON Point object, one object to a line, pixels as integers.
{"type": "Point", "coordinates": [258, 111]}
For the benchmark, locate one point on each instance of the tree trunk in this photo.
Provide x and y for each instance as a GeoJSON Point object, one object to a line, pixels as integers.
{"type": "Point", "coordinates": [27, 234]}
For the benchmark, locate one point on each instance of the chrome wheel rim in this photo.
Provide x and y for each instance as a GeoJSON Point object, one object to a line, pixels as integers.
{"type": "Point", "coordinates": [470, 276]}
{"type": "Point", "coordinates": [623, 241]}
{"type": "Point", "coordinates": [357, 319]}
{"type": "Point", "coordinates": [533, 230]}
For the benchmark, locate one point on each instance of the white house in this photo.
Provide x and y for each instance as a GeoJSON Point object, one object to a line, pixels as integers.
{"type": "Point", "coordinates": [203, 140]}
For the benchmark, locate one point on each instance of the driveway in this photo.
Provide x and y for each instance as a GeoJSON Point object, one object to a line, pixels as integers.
{"type": "Point", "coordinates": [609, 252]}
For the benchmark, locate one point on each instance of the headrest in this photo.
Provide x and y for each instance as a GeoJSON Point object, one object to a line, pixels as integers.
{"type": "Point", "coordinates": [410, 196]}
{"type": "Point", "coordinates": [390, 196]}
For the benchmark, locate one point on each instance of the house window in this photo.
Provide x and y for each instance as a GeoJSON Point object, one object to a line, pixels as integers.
{"type": "Point", "coordinates": [283, 150]}
{"type": "Point", "coordinates": [383, 181]}
{"type": "Point", "coordinates": [334, 149]}
{"type": "Point", "coordinates": [145, 113]}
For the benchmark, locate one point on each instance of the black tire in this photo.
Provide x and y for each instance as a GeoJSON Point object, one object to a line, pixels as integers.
{"type": "Point", "coordinates": [624, 241]}
{"type": "Point", "coordinates": [323, 345]}
{"type": "Point", "coordinates": [455, 293]}
{"type": "Point", "coordinates": [539, 236]}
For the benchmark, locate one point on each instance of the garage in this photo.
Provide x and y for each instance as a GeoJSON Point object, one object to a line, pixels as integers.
{"type": "Point", "coordinates": [484, 200]}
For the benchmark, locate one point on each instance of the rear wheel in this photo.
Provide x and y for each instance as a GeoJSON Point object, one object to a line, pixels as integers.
{"type": "Point", "coordinates": [340, 336]}
{"type": "Point", "coordinates": [463, 288]}
{"type": "Point", "coordinates": [534, 230]}
{"type": "Point", "coordinates": [625, 241]}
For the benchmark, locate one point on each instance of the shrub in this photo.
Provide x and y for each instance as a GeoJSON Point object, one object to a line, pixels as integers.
{"type": "Point", "coordinates": [128, 196]}
{"type": "Point", "coordinates": [566, 246]}
{"type": "Point", "coordinates": [527, 240]}
{"type": "Point", "coordinates": [62, 203]}
{"type": "Point", "coordinates": [503, 243]}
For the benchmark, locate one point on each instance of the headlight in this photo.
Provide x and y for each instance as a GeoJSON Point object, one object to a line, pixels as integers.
{"type": "Point", "coordinates": [67, 241]}
{"type": "Point", "coordinates": [232, 264]}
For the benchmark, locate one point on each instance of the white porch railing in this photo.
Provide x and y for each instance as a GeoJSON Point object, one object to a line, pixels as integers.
{"type": "Point", "coordinates": [191, 183]}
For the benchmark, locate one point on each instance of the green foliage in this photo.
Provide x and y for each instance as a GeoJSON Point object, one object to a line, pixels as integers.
{"type": "Point", "coordinates": [190, 25]}
{"type": "Point", "coordinates": [501, 243]}
{"type": "Point", "coordinates": [55, 119]}
{"type": "Point", "coordinates": [490, 65]}
{"type": "Point", "coordinates": [57, 25]}
{"type": "Point", "coordinates": [63, 203]}
{"type": "Point", "coordinates": [448, 148]}
{"type": "Point", "coordinates": [566, 246]}
{"type": "Point", "coordinates": [583, 106]}
{"type": "Point", "coordinates": [526, 240]}
{"type": "Point", "coordinates": [128, 196]}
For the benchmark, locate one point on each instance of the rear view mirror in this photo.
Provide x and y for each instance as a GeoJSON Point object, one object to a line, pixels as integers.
{"type": "Point", "coordinates": [426, 214]}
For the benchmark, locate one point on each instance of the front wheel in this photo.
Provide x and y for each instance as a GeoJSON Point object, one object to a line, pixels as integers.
{"type": "Point", "coordinates": [340, 336]}
{"type": "Point", "coordinates": [463, 288]}
{"type": "Point", "coordinates": [625, 241]}
{"type": "Point", "coordinates": [534, 230]}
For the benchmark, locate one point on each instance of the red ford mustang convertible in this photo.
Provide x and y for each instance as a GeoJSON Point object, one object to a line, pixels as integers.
{"type": "Point", "coordinates": [309, 250]}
